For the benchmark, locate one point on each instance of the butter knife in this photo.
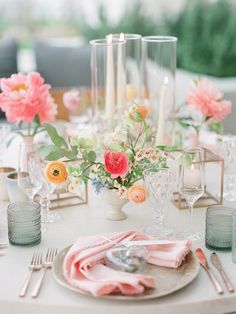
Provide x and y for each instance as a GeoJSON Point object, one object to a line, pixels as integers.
{"type": "Point", "coordinates": [216, 262]}
{"type": "Point", "coordinates": [203, 262]}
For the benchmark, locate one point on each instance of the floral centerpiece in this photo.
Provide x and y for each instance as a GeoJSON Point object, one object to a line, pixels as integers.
{"type": "Point", "coordinates": [25, 99]}
{"type": "Point", "coordinates": [205, 105]}
{"type": "Point", "coordinates": [115, 162]}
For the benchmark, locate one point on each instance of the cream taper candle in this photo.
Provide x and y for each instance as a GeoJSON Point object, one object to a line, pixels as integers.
{"type": "Point", "coordinates": [110, 87]}
{"type": "Point", "coordinates": [120, 77]}
{"type": "Point", "coordinates": [162, 116]}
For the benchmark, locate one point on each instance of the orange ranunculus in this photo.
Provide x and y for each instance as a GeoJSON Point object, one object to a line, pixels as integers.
{"type": "Point", "coordinates": [137, 193]}
{"type": "Point", "coordinates": [55, 172]}
{"type": "Point", "coordinates": [139, 112]}
{"type": "Point", "coordinates": [143, 111]}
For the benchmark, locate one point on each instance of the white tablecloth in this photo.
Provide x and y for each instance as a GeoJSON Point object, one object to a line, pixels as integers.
{"type": "Point", "coordinates": [198, 297]}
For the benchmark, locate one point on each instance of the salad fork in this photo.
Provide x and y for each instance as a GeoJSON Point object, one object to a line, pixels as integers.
{"type": "Point", "coordinates": [51, 253]}
{"type": "Point", "coordinates": [35, 264]}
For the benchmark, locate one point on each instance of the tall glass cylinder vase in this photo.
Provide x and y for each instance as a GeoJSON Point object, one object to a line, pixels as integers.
{"type": "Point", "coordinates": [158, 85]}
{"type": "Point", "coordinates": [108, 81]}
{"type": "Point", "coordinates": [133, 66]}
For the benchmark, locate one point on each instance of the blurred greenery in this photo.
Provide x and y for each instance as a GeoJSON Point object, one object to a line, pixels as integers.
{"type": "Point", "coordinates": [132, 21]}
{"type": "Point", "coordinates": [206, 33]}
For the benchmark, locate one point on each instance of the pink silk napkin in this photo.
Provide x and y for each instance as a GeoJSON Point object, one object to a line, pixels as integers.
{"type": "Point", "coordinates": [84, 267]}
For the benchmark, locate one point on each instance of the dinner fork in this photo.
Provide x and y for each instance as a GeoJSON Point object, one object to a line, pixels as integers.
{"type": "Point", "coordinates": [51, 253]}
{"type": "Point", "coordinates": [35, 264]}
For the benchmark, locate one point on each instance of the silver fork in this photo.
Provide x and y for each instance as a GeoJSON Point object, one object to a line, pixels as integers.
{"type": "Point", "coordinates": [35, 264]}
{"type": "Point", "coordinates": [51, 253]}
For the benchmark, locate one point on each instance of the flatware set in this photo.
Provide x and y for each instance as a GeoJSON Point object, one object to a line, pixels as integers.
{"type": "Point", "coordinates": [37, 263]}
{"type": "Point", "coordinates": [217, 264]}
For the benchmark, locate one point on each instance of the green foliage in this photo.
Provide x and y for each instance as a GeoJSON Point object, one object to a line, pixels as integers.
{"type": "Point", "coordinates": [58, 149]}
{"type": "Point", "coordinates": [206, 34]}
{"type": "Point", "coordinates": [133, 21]}
{"type": "Point", "coordinates": [57, 140]}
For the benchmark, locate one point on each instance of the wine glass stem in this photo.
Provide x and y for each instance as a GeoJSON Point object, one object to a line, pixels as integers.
{"type": "Point", "coordinates": [31, 198]}
{"type": "Point", "coordinates": [159, 218]}
{"type": "Point", "coordinates": [190, 216]}
{"type": "Point", "coordinates": [44, 208]}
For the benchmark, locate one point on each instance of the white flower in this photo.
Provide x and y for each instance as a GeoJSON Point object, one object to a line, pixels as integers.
{"type": "Point", "coordinates": [150, 152]}
{"type": "Point", "coordinates": [139, 155]}
{"type": "Point", "coordinates": [86, 139]}
{"type": "Point", "coordinates": [122, 192]}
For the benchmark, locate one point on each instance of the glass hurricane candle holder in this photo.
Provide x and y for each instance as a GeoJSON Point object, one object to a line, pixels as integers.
{"type": "Point", "coordinates": [108, 81]}
{"type": "Point", "coordinates": [132, 66]}
{"type": "Point", "coordinates": [158, 84]}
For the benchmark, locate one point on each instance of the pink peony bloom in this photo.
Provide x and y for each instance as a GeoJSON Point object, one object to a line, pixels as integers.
{"type": "Point", "coordinates": [25, 96]}
{"type": "Point", "coordinates": [116, 163]}
{"type": "Point", "coordinates": [204, 97]}
{"type": "Point", "coordinates": [71, 99]}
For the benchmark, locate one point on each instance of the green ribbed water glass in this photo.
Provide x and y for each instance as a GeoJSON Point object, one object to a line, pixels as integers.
{"type": "Point", "coordinates": [218, 232]}
{"type": "Point", "coordinates": [234, 236]}
{"type": "Point", "coordinates": [24, 223]}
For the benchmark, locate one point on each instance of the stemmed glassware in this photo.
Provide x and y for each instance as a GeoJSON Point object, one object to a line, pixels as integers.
{"type": "Point", "coordinates": [28, 174]}
{"type": "Point", "coordinates": [228, 149]}
{"type": "Point", "coordinates": [5, 130]}
{"type": "Point", "coordinates": [45, 191]}
{"type": "Point", "coordinates": [160, 186]}
{"type": "Point", "coordinates": [191, 184]}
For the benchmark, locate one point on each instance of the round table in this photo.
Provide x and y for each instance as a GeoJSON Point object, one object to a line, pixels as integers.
{"type": "Point", "coordinates": [197, 297]}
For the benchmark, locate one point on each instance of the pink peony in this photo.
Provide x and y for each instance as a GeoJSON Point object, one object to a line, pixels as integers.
{"type": "Point", "coordinates": [208, 100]}
{"type": "Point", "coordinates": [116, 163]}
{"type": "Point", "coordinates": [25, 96]}
{"type": "Point", "coordinates": [71, 99]}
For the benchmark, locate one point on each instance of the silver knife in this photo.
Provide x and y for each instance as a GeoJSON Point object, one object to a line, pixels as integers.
{"type": "Point", "coordinates": [216, 262]}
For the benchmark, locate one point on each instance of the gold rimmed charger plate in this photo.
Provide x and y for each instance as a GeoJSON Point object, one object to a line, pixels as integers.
{"type": "Point", "coordinates": [168, 280]}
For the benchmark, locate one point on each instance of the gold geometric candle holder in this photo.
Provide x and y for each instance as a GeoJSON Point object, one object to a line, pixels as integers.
{"type": "Point", "coordinates": [213, 167]}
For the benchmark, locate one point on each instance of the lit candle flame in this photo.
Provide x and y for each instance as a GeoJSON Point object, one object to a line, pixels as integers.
{"type": "Point", "coordinates": [122, 36]}
{"type": "Point", "coordinates": [109, 38]}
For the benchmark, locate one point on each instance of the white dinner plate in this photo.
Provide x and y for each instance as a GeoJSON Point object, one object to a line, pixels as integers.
{"type": "Point", "coordinates": [168, 280]}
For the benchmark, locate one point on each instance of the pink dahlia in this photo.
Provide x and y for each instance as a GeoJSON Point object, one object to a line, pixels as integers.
{"type": "Point", "coordinates": [206, 98]}
{"type": "Point", "coordinates": [25, 96]}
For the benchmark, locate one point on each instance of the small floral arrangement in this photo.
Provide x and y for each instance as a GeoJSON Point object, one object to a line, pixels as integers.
{"type": "Point", "coordinates": [26, 99]}
{"type": "Point", "coordinates": [205, 105]}
{"type": "Point", "coordinates": [115, 162]}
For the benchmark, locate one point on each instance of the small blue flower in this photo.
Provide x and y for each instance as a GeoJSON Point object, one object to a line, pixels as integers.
{"type": "Point", "coordinates": [98, 184]}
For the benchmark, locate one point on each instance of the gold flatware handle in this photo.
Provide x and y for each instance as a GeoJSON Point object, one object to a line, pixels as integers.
{"type": "Point", "coordinates": [227, 282]}
{"type": "Point", "coordinates": [39, 284]}
{"type": "Point", "coordinates": [214, 281]}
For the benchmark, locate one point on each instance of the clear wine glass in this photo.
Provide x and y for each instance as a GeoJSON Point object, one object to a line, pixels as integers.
{"type": "Point", "coordinates": [28, 174]}
{"type": "Point", "coordinates": [160, 185]}
{"type": "Point", "coordinates": [228, 151]}
{"type": "Point", "coordinates": [5, 130]}
{"type": "Point", "coordinates": [45, 191]}
{"type": "Point", "coordinates": [191, 184]}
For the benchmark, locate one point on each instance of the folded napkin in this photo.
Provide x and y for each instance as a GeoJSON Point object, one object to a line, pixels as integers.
{"type": "Point", "coordinates": [84, 266]}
